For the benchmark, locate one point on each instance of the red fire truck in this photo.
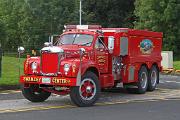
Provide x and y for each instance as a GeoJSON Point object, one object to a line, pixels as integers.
{"type": "Point", "coordinates": [86, 59]}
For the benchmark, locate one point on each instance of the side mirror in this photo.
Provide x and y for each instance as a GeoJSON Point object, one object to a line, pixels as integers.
{"type": "Point", "coordinates": [53, 39]}
{"type": "Point", "coordinates": [21, 50]}
{"type": "Point", "coordinates": [111, 43]}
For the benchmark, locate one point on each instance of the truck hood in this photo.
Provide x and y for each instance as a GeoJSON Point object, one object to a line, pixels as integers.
{"type": "Point", "coordinates": [71, 51]}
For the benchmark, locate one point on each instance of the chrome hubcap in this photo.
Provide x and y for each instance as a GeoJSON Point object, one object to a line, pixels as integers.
{"type": "Point", "coordinates": [87, 89]}
{"type": "Point", "coordinates": [153, 78]}
{"type": "Point", "coordinates": [143, 80]}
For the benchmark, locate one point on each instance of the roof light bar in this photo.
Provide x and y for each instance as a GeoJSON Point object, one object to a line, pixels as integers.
{"type": "Point", "coordinates": [83, 27]}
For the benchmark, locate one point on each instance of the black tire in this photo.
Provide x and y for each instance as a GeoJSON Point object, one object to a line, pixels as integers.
{"type": "Point", "coordinates": [35, 94]}
{"type": "Point", "coordinates": [76, 93]}
{"type": "Point", "coordinates": [153, 78]}
{"type": "Point", "coordinates": [142, 80]}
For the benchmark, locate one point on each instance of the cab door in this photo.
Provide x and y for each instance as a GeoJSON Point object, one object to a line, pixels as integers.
{"type": "Point", "coordinates": [101, 55]}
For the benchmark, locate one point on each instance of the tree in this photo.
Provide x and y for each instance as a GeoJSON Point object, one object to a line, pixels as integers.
{"type": "Point", "coordinates": [30, 22]}
{"type": "Point", "coordinates": [109, 13]}
{"type": "Point", "coordinates": [10, 16]}
{"type": "Point", "coordinates": [2, 33]}
{"type": "Point", "coordinates": [162, 16]}
{"type": "Point", "coordinates": [49, 17]}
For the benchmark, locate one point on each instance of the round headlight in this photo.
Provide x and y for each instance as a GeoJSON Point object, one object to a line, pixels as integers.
{"type": "Point", "coordinates": [34, 66]}
{"type": "Point", "coordinates": [66, 67]}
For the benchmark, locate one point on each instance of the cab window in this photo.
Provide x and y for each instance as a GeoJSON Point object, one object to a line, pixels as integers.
{"type": "Point", "coordinates": [76, 39]}
{"type": "Point", "coordinates": [99, 44]}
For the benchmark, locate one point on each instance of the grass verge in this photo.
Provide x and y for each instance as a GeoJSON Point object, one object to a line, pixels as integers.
{"type": "Point", "coordinates": [10, 70]}
{"type": "Point", "coordinates": [177, 65]}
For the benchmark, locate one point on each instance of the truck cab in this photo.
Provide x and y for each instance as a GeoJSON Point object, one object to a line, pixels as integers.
{"type": "Point", "coordinates": [85, 59]}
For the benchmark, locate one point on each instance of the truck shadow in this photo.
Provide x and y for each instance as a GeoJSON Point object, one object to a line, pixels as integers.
{"type": "Point", "coordinates": [119, 90]}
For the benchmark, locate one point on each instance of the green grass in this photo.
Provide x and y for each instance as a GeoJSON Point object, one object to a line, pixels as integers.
{"type": "Point", "coordinates": [177, 65]}
{"type": "Point", "coordinates": [10, 70]}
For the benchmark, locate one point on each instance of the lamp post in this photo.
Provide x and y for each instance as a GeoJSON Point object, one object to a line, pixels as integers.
{"type": "Point", "coordinates": [20, 51]}
{"type": "Point", "coordinates": [80, 12]}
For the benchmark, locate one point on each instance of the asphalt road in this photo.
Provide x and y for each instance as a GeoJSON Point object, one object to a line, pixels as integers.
{"type": "Point", "coordinates": [161, 110]}
{"type": "Point", "coordinates": [162, 104]}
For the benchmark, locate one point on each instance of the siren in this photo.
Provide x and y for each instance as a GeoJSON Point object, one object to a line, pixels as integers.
{"type": "Point", "coordinates": [82, 27]}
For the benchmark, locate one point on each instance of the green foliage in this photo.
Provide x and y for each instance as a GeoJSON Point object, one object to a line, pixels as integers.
{"type": "Point", "coordinates": [109, 13]}
{"type": "Point", "coordinates": [2, 33]}
{"type": "Point", "coordinates": [30, 22]}
{"type": "Point", "coordinates": [162, 16]}
{"type": "Point", "coordinates": [11, 15]}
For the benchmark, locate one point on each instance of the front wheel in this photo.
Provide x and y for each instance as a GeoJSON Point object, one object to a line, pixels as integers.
{"type": "Point", "coordinates": [88, 92]}
{"type": "Point", "coordinates": [35, 94]}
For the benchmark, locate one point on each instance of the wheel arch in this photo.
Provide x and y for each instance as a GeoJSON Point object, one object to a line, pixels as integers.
{"type": "Point", "coordinates": [156, 65]}
{"type": "Point", "coordinates": [145, 65]}
{"type": "Point", "coordinates": [94, 70]}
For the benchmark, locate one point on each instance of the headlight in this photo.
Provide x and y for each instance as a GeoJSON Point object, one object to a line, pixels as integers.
{"type": "Point", "coordinates": [66, 67]}
{"type": "Point", "coordinates": [34, 66]}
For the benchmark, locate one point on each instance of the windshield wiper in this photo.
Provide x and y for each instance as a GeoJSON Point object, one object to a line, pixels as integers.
{"type": "Point", "coordinates": [86, 43]}
{"type": "Point", "coordinates": [74, 38]}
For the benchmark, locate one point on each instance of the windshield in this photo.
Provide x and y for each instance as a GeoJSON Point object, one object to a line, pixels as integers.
{"type": "Point", "coordinates": [78, 39]}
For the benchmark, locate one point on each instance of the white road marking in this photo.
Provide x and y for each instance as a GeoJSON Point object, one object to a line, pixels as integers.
{"type": "Point", "coordinates": [167, 81]}
{"type": "Point", "coordinates": [170, 81]}
{"type": "Point", "coordinates": [173, 82]}
{"type": "Point", "coordinates": [9, 92]}
{"type": "Point", "coordinates": [4, 93]}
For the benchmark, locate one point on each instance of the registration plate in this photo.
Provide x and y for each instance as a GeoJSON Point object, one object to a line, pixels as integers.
{"type": "Point", "coordinates": [46, 80]}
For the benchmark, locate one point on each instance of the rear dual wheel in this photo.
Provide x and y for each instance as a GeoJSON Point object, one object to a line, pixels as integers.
{"type": "Point", "coordinates": [88, 92]}
{"type": "Point", "coordinates": [146, 80]}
